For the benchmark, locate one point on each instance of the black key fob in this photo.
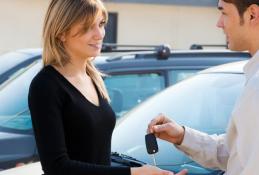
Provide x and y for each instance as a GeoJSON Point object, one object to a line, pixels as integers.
{"type": "Point", "coordinates": [151, 143]}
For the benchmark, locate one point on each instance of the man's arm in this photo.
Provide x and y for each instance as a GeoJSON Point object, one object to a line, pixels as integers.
{"type": "Point", "coordinates": [208, 150]}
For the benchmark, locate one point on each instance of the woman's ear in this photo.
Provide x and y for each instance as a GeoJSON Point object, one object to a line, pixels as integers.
{"type": "Point", "coordinates": [62, 37]}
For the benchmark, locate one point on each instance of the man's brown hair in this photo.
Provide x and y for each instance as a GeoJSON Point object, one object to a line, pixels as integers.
{"type": "Point", "coordinates": [242, 5]}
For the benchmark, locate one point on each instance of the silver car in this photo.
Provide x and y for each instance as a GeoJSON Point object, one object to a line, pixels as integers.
{"type": "Point", "coordinates": [203, 102]}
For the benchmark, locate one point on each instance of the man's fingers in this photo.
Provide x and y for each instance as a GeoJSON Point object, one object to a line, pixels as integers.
{"type": "Point", "coordinates": [157, 120]}
{"type": "Point", "coordinates": [161, 128]}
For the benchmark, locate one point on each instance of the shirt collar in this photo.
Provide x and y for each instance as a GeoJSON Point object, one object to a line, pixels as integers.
{"type": "Point", "coordinates": [252, 66]}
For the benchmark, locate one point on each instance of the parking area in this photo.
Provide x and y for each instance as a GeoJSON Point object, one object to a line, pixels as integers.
{"type": "Point", "coordinates": [195, 80]}
{"type": "Point", "coordinates": [132, 77]}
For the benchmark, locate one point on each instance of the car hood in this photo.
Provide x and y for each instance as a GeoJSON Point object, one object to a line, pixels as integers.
{"type": "Point", "coordinates": [236, 67]}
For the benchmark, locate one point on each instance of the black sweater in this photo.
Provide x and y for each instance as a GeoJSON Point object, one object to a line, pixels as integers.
{"type": "Point", "coordinates": [73, 135]}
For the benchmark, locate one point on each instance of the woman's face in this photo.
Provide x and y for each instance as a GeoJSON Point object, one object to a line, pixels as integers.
{"type": "Point", "coordinates": [85, 44]}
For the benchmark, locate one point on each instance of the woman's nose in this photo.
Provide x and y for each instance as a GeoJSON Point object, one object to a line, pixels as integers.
{"type": "Point", "coordinates": [99, 33]}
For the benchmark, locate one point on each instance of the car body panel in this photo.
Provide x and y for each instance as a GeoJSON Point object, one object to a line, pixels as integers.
{"type": "Point", "coordinates": [204, 102]}
{"type": "Point", "coordinates": [18, 148]}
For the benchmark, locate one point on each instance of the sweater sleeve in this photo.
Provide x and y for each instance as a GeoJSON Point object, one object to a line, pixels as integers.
{"type": "Point", "coordinates": [208, 150]}
{"type": "Point", "coordinates": [45, 104]}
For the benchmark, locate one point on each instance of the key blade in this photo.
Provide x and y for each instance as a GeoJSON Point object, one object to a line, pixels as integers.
{"type": "Point", "coordinates": [154, 159]}
{"type": "Point", "coordinates": [151, 143]}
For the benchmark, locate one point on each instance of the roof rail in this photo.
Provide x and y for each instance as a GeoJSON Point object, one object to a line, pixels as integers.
{"type": "Point", "coordinates": [201, 46]}
{"type": "Point", "coordinates": [163, 51]}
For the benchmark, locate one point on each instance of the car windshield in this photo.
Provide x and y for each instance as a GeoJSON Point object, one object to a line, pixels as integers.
{"type": "Point", "coordinates": [14, 112]}
{"type": "Point", "coordinates": [203, 102]}
{"type": "Point", "coordinates": [178, 75]}
{"type": "Point", "coordinates": [128, 90]}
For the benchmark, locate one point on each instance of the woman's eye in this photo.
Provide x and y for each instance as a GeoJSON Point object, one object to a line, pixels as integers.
{"type": "Point", "coordinates": [103, 23]}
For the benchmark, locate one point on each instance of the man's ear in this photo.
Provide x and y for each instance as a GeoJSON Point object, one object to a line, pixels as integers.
{"type": "Point", "coordinates": [254, 14]}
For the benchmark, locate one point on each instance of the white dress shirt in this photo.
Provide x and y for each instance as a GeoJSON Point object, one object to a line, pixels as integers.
{"type": "Point", "coordinates": [237, 151]}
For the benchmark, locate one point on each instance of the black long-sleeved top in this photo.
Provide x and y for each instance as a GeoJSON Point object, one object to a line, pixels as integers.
{"type": "Point", "coordinates": [73, 135]}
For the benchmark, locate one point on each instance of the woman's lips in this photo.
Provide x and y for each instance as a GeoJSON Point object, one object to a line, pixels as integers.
{"type": "Point", "coordinates": [96, 46]}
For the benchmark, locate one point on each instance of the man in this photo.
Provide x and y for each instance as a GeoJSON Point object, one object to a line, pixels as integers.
{"type": "Point", "coordinates": [237, 151]}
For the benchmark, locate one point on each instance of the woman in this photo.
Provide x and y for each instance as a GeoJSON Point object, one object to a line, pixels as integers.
{"type": "Point", "coordinates": [71, 117]}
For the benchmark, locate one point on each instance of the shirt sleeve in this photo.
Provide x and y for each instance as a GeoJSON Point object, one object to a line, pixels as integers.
{"type": "Point", "coordinates": [208, 150]}
{"type": "Point", "coordinates": [45, 104]}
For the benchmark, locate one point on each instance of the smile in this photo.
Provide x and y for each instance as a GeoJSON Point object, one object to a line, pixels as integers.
{"type": "Point", "coordinates": [97, 46]}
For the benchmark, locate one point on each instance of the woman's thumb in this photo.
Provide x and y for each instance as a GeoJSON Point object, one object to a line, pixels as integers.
{"type": "Point", "coordinates": [183, 172]}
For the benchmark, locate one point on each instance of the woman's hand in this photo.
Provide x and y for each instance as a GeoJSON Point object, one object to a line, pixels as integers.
{"type": "Point", "coordinates": [151, 170]}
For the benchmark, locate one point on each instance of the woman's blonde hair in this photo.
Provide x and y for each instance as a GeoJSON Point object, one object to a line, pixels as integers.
{"type": "Point", "coordinates": [61, 15]}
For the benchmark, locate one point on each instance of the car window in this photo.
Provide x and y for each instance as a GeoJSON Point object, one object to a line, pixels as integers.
{"type": "Point", "coordinates": [179, 75]}
{"type": "Point", "coordinates": [203, 102]}
{"type": "Point", "coordinates": [14, 112]}
{"type": "Point", "coordinates": [126, 91]}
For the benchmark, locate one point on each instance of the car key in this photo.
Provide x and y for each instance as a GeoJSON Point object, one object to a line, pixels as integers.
{"type": "Point", "coordinates": [151, 145]}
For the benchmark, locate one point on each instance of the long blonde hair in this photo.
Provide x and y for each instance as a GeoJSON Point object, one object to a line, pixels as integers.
{"type": "Point", "coordinates": [61, 15]}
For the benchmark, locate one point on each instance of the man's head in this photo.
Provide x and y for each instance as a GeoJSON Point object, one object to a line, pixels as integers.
{"type": "Point", "coordinates": [242, 5]}
{"type": "Point", "coordinates": [240, 21]}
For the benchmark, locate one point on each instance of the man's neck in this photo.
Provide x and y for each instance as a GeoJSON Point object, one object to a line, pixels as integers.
{"type": "Point", "coordinates": [254, 42]}
{"type": "Point", "coordinates": [254, 50]}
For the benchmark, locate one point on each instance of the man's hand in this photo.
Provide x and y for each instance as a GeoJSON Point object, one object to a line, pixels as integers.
{"type": "Point", "coordinates": [166, 129]}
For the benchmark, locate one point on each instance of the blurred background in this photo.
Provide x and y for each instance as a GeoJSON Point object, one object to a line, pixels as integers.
{"type": "Point", "coordinates": [133, 77]}
{"type": "Point", "coordinates": [131, 22]}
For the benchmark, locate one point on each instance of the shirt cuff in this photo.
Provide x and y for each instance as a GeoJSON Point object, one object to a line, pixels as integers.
{"type": "Point", "coordinates": [188, 144]}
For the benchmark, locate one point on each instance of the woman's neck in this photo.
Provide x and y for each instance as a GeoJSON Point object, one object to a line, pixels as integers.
{"type": "Point", "coordinates": [75, 67]}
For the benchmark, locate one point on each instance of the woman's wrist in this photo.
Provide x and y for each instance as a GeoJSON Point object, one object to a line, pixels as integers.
{"type": "Point", "coordinates": [134, 171]}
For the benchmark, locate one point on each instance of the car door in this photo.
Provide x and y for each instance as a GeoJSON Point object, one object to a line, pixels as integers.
{"type": "Point", "coordinates": [17, 142]}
